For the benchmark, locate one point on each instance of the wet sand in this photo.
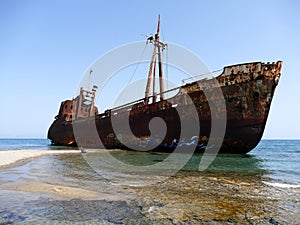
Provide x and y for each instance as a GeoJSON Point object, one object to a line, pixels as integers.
{"type": "Point", "coordinates": [13, 158]}
{"type": "Point", "coordinates": [188, 197]}
{"type": "Point", "coordinates": [67, 192]}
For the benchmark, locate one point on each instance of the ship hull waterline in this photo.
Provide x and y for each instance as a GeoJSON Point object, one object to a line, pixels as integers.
{"type": "Point", "coordinates": [247, 107]}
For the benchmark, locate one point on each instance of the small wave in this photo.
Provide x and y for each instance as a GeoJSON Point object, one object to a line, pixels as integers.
{"type": "Point", "coordinates": [282, 185]}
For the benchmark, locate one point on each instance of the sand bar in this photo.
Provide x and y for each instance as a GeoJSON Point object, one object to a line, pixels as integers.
{"type": "Point", "coordinates": [30, 185]}
{"type": "Point", "coordinates": [11, 157]}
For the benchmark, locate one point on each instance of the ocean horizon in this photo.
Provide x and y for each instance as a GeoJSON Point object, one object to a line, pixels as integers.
{"type": "Point", "coordinates": [279, 157]}
{"type": "Point", "coordinates": [260, 187]}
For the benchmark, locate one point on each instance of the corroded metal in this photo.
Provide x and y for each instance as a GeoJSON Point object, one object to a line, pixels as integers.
{"type": "Point", "coordinates": [151, 77]}
{"type": "Point", "coordinates": [159, 46]}
{"type": "Point", "coordinates": [248, 90]}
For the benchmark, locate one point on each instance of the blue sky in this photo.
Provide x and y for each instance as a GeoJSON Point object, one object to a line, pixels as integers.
{"type": "Point", "coordinates": [46, 46]}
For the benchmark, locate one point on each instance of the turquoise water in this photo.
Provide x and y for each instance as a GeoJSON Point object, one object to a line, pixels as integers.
{"type": "Point", "coordinates": [26, 143]}
{"type": "Point", "coordinates": [262, 186]}
{"type": "Point", "coordinates": [279, 159]}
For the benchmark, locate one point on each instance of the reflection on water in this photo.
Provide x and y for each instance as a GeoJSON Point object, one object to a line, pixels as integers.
{"type": "Point", "coordinates": [223, 162]}
{"type": "Point", "coordinates": [140, 174]}
{"type": "Point", "coordinates": [231, 190]}
{"type": "Point", "coordinates": [74, 169]}
{"type": "Point", "coordinates": [229, 163]}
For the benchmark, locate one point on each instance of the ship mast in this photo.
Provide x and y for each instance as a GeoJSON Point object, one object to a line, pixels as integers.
{"type": "Point", "coordinates": [159, 45]}
{"type": "Point", "coordinates": [158, 48]}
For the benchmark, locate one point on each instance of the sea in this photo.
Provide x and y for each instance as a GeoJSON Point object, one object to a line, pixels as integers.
{"type": "Point", "coordinates": [261, 187]}
{"type": "Point", "coordinates": [280, 159]}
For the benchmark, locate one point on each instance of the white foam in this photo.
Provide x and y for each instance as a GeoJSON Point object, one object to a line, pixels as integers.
{"type": "Point", "coordinates": [282, 185]}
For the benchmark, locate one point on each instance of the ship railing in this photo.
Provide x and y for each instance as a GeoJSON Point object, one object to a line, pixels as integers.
{"type": "Point", "coordinates": [200, 77]}
{"type": "Point", "coordinates": [128, 104]}
{"type": "Point", "coordinates": [142, 99]}
{"type": "Point", "coordinates": [167, 91]}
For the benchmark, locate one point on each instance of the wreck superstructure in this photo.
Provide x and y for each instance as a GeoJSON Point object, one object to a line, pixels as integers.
{"type": "Point", "coordinates": [70, 110]}
{"type": "Point", "coordinates": [247, 89]}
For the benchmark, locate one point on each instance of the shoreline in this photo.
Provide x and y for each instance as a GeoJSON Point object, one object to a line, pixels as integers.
{"type": "Point", "coordinates": [13, 158]}
{"type": "Point", "coordinates": [10, 159]}
{"type": "Point", "coordinates": [187, 197]}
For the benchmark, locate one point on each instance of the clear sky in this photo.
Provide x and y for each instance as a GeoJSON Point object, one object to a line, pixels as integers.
{"type": "Point", "coordinates": [46, 46]}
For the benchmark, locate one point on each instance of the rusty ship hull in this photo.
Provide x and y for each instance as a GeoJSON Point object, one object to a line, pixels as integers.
{"type": "Point", "coordinates": [248, 90]}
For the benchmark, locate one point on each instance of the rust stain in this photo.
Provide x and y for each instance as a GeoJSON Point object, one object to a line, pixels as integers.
{"type": "Point", "coordinates": [247, 88]}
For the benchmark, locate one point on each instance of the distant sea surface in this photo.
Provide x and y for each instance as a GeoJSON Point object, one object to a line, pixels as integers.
{"type": "Point", "coordinates": [26, 144]}
{"type": "Point", "coordinates": [279, 159]}
{"type": "Point", "coordinates": [261, 187]}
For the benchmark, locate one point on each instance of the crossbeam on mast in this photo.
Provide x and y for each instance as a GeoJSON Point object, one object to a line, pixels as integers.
{"type": "Point", "coordinates": [158, 48]}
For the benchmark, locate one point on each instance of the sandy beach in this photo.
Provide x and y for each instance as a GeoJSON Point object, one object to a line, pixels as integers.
{"type": "Point", "coordinates": [13, 157]}
{"type": "Point", "coordinates": [65, 189]}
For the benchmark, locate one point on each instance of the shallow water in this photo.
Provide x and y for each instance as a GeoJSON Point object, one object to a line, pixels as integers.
{"type": "Point", "coordinates": [259, 188]}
